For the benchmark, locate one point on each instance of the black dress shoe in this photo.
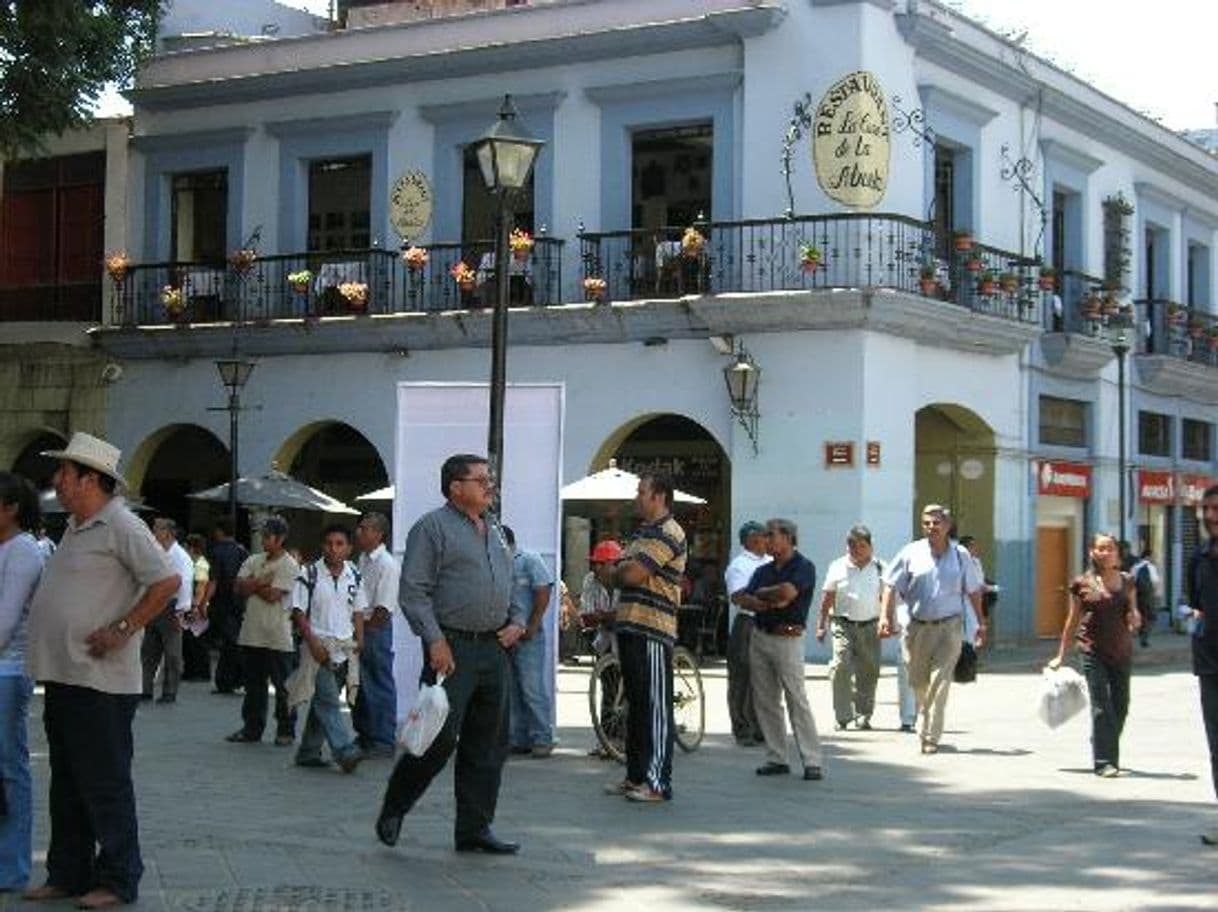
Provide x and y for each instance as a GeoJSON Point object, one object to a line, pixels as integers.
{"type": "Point", "coordinates": [813, 774]}
{"type": "Point", "coordinates": [770, 768]}
{"type": "Point", "coordinates": [388, 827]}
{"type": "Point", "coordinates": [488, 843]}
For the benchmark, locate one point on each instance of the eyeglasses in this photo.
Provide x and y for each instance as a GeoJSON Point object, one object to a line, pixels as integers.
{"type": "Point", "coordinates": [485, 480]}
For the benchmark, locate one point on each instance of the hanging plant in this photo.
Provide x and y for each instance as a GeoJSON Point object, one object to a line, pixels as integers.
{"type": "Point", "coordinates": [1009, 282]}
{"type": "Point", "coordinates": [355, 293]}
{"type": "Point", "coordinates": [809, 257]}
{"type": "Point", "coordinates": [464, 276]}
{"type": "Point", "coordinates": [242, 260]}
{"type": "Point", "coordinates": [521, 243]}
{"type": "Point", "coordinates": [300, 280]}
{"type": "Point", "coordinates": [415, 258]}
{"type": "Point", "coordinates": [117, 265]}
{"type": "Point", "coordinates": [974, 264]}
{"type": "Point", "coordinates": [693, 242]}
{"type": "Point", "coordinates": [986, 285]}
{"type": "Point", "coordinates": [594, 288]}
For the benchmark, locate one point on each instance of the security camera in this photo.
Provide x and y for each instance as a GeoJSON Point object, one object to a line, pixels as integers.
{"type": "Point", "coordinates": [112, 373]}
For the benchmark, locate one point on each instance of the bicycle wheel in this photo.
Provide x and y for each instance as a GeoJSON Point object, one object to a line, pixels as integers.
{"type": "Point", "coordinates": [607, 706]}
{"type": "Point", "coordinates": [688, 705]}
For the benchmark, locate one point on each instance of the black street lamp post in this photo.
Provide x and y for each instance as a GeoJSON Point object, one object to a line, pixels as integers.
{"type": "Point", "coordinates": [234, 373]}
{"type": "Point", "coordinates": [1120, 348]}
{"type": "Point", "coordinates": [506, 155]}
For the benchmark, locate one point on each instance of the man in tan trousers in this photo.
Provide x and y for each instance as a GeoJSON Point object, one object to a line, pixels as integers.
{"type": "Point", "coordinates": [939, 581]}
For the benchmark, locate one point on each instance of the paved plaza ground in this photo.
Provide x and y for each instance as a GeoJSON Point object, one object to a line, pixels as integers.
{"type": "Point", "coordinates": [1008, 817]}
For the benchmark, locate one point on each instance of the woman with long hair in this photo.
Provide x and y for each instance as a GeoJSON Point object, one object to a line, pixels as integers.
{"type": "Point", "coordinates": [20, 569]}
{"type": "Point", "coordinates": [1103, 617]}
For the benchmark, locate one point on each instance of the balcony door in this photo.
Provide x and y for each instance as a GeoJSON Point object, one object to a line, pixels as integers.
{"type": "Point", "coordinates": [200, 217]}
{"type": "Point", "coordinates": [340, 203]}
{"type": "Point", "coordinates": [478, 209]}
{"type": "Point", "coordinates": [671, 176]}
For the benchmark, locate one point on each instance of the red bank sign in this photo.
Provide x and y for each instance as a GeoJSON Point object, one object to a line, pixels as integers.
{"type": "Point", "coordinates": [1063, 479]}
{"type": "Point", "coordinates": [1191, 487]}
{"type": "Point", "coordinates": [1156, 487]}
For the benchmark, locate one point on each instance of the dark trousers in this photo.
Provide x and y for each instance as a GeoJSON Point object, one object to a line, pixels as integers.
{"type": "Point", "coordinates": [739, 693]}
{"type": "Point", "coordinates": [162, 641]}
{"type": "Point", "coordinates": [477, 727]}
{"type": "Point", "coordinates": [225, 626]}
{"type": "Point", "coordinates": [196, 658]}
{"type": "Point", "coordinates": [650, 729]}
{"type": "Point", "coordinates": [1109, 687]}
{"type": "Point", "coordinates": [260, 666]}
{"type": "Point", "coordinates": [376, 707]}
{"type": "Point", "coordinates": [94, 835]}
{"type": "Point", "coordinates": [1209, 714]}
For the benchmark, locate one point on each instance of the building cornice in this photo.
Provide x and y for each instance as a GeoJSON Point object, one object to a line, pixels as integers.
{"type": "Point", "coordinates": [345, 123]}
{"type": "Point", "coordinates": [192, 139]}
{"type": "Point", "coordinates": [1171, 376]}
{"type": "Point", "coordinates": [1058, 151]}
{"type": "Point", "coordinates": [486, 108]}
{"type": "Point", "coordinates": [938, 98]}
{"type": "Point", "coordinates": [612, 93]}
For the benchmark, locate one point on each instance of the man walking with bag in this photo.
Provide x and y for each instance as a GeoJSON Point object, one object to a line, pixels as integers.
{"type": "Point", "coordinates": [456, 591]}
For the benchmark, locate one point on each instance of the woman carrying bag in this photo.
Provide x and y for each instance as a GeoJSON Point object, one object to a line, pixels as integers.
{"type": "Point", "coordinates": [1104, 613]}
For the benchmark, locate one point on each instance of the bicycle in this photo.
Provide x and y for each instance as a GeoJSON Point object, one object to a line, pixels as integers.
{"type": "Point", "coordinates": [607, 703]}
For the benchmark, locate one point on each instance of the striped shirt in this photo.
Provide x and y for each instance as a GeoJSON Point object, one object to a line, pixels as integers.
{"type": "Point", "coordinates": [651, 608]}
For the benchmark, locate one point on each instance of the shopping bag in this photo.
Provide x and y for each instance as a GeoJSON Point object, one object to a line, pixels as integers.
{"type": "Point", "coordinates": [1063, 694]}
{"type": "Point", "coordinates": [965, 671]}
{"type": "Point", "coordinates": [425, 718]}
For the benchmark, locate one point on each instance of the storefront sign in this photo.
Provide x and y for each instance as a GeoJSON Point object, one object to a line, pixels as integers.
{"type": "Point", "coordinates": [1191, 487]}
{"type": "Point", "coordinates": [850, 141]}
{"type": "Point", "coordinates": [873, 453]}
{"type": "Point", "coordinates": [839, 454]}
{"type": "Point", "coordinates": [1063, 479]}
{"type": "Point", "coordinates": [1155, 487]}
{"type": "Point", "coordinates": [410, 205]}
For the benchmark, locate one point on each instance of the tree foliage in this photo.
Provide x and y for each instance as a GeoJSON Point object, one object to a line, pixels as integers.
{"type": "Point", "coordinates": [57, 56]}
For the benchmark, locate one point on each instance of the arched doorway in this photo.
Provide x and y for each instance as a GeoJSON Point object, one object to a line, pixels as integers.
{"type": "Point", "coordinates": [31, 464]}
{"type": "Point", "coordinates": [337, 459]}
{"type": "Point", "coordinates": [954, 466]}
{"type": "Point", "coordinates": [680, 447]}
{"type": "Point", "coordinates": [176, 461]}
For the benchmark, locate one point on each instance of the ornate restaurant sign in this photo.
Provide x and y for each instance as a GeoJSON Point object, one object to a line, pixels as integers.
{"type": "Point", "coordinates": [410, 205]}
{"type": "Point", "coordinates": [850, 141]}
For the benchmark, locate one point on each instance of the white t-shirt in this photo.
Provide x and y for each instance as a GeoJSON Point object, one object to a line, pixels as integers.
{"type": "Point", "coordinates": [185, 569]}
{"type": "Point", "coordinates": [856, 590]}
{"type": "Point", "coordinates": [379, 573]}
{"type": "Point", "coordinates": [335, 600]}
{"type": "Point", "coordinates": [737, 575]}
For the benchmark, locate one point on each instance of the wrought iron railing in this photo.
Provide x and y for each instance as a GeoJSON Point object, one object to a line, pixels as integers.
{"type": "Point", "coordinates": [1167, 328]}
{"type": "Point", "coordinates": [163, 293]}
{"type": "Point", "coordinates": [1071, 303]}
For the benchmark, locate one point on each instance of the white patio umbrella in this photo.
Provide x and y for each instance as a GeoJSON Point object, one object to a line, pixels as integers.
{"type": "Point", "coordinates": [49, 503]}
{"type": "Point", "coordinates": [614, 484]}
{"type": "Point", "coordinates": [379, 494]}
{"type": "Point", "coordinates": [274, 489]}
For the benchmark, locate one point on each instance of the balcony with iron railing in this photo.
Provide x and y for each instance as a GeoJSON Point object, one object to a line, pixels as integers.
{"type": "Point", "coordinates": [1173, 330]}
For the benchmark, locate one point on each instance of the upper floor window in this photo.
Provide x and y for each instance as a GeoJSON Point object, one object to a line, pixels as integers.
{"type": "Point", "coordinates": [1063, 422]}
{"type": "Point", "coordinates": [1197, 440]}
{"type": "Point", "coordinates": [1154, 434]}
{"type": "Point", "coordinates": [671, 176]}
{"type": "Point", "coordinates": [340, 202]}
{"type": "Point", "coordinates": [199, 222]}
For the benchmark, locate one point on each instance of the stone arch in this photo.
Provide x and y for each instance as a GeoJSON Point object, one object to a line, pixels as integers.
{"type": "Point", "coordinates": [28, 460]}
{"type": "Point", "coordinates": [954, 456]}
{"type": "Point", "coordinates": [174, 461]}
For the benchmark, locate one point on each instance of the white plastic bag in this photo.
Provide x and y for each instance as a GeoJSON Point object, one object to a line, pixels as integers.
{"type": "Point", "coordinates": [1063, 694]}
{"type": "Point", "coordinates": [425, 718]}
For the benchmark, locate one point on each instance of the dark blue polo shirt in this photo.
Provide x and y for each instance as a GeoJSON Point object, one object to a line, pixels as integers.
{"type": "Point", "coordinates": [1201, 580]}
{"type": "Point", "coordinates": [800, 573]}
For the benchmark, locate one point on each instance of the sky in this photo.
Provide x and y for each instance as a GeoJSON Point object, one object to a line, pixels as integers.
{"type": "Point", "coordinates": [1158, 58]}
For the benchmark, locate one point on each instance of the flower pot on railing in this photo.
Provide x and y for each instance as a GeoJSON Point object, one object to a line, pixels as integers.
{"type": "Point", "coordinates": [1110, 306]}
{"type": "Point", "coordinates": [464, 276]}
{"type": "Point", "coordinates": [693, 242]}
{"type": "Point", "coordinates": [1196, 330]}
{"type": "Point", "coordinates": [974, 264]}
{"type": "Point", "coordinates": [963, 241]}
{"type": "Point", "coordinates": [1009, 283]}
{"type": "Point", "coordinates": [594, 288]}
{"type": "Point", "coordinates": [356, 296]}
{"type": "Point", "coordinates": [242, 260]}
{"type": "Point", "coordinates": [1090, 307]}
{"type": "Point", "coordinates": [521, 244]}
{"type": "Point", "coordinates": [1176, 315]}
{"type": "Point", "coordinates": [930, 287]}
{"type": "Point", "coordinates": [299, 281]}
{"type": "Point", "coordinates": [117, 266]}
{"type": "Point", "coordinates": [987, 285]}
{"type": "Point", "coordinates": [415, 258]}
{"type": "Point", "coordinates": [1047, 280]}
{"type": "Point", "coordinates": [809, 257]}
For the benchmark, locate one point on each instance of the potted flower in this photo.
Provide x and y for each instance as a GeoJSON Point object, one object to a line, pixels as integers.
{"type": "Point", "coordinates": [1196, 328]}
{"type": "Point", "coordinates": [415, 258]}
{"type": "Point", "coordinates": [1109, 305]}
{"type": "Point", "coordinates": [355, 293]}
{"type": "Point", "coordinates": [929, 279]}
{"type": "Point", "coordinates": [1176, 314]}
{"type": "Point", "coordinates": [300, 280]}
{"type": "Point", "coordinates": [1009, 282]}
{"type": "Point", "coordinates": [1091, 305]}
{"type": "Point", "coordinates": [464, 276]}
{"type": "Point", "coordinates": [521, 243]}
{"type": "Point", "coordinates": [1048, 278]}
{"type": "Point", "coordinates": [242, 260]}
{"type": "Point", "coordinates": [117, 265]}
{"type": "Point", "coordinates": [1213, 338]}
{"type": "Point", "coordinates": [986, 284]}
{"type": "Point", "coordinates": [973, 264]}
{"type": "Point", "coordinates": [693, 242]}
{"type": "Point", "coordinates": [809, 257]}
{"type": "Point", "coordinates": [173, 301]}
{"type": "Point", "coordinates": [594, 288]}
{"type": "Point", "coordinates": [963, 241]}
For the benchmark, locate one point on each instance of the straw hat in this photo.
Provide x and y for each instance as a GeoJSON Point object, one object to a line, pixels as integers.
{"type": "Point", "coordinates": [92, 452]}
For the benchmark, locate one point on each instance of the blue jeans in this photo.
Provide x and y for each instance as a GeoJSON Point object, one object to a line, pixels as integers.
{"type": "Point", "coordinates": [325, 722]}
{"type": "Point", "coordinates": [375, 713]}
{"type": "Point", "coordinates": [17, 824]}
{"type": "Point", "coordinates": [531, 705]}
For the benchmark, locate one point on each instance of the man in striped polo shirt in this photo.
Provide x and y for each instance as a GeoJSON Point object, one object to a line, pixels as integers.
{"type": "Point", "coordinates": [649, 577]}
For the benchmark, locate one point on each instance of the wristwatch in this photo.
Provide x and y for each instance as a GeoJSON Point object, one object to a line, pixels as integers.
{"type": "Point", "coordinates": [123, 627]}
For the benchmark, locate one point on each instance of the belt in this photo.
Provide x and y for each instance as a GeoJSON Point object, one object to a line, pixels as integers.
{"type": "Point", "coordinates": [846, 620]}
{"type": "Point", "coordinates": [453, 634]}
{"type": "Point", "coordinates": [784, 630]}
{"type": "Point", "coordinates": [936, 621]}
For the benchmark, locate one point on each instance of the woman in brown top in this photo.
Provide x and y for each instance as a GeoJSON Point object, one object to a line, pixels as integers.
{"type": "Point", "coordinates": [1104, 611]}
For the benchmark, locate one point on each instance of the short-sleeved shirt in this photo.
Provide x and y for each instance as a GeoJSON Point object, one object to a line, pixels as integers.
{"type": "Point", "coordinates": [227, 559]}
{"type": "Point", "coordinates": [202, 570]}
{"type": "Point", "coordinates": [99, 571]}
{"type": "Point", "coordinates": [268, 624]}
{"type": "Point", "coordinates": [334, 600]}
{"type": "Point", "coordinates": [856, 590]}
{"type": "Point", "coordinates": [529, 573]}
{"type": "Point", "coordinates": [379, 574]}
{"type": "Point", "coordinates": [1103, 628]}
{"type": "Point", "coordinates": [934, 588]}
{"type": "Point", "coordinates": [21, 563]}
{"type": "Point", "coordinates": [1201, 582]}
{"type": "Point", "coordinates": [736, 577]}
{"type": "Point", "coordinates": [650, 608]}
{"type": "Point", "coordinates": [800, 573]}
{"type": "Point", "coordinates": [185, 569]}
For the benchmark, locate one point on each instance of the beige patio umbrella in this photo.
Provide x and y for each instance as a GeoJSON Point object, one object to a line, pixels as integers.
{"type": "Point", "coordinates": [277, 491]}
{"type": "Point", "coordinates": [614, 484]}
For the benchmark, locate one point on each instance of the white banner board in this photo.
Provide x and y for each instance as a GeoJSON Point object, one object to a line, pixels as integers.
{"type": "Point", "coordinates": [436, 420]}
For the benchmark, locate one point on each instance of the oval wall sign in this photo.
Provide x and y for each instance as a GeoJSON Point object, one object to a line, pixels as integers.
{"type": "Point", "coordinates": [850, 141]}
{"type": "Point", "coordinates": [410, 205]}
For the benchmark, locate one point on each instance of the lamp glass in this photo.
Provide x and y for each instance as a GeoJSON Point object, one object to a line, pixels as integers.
{"type": "Point", "coordinates": [234, 373]}
{"type": "Point", "coordinates": [741, 377]}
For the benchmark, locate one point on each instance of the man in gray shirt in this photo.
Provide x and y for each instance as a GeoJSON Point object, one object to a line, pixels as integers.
{"type": "Point", "coordinates": [456, 593]}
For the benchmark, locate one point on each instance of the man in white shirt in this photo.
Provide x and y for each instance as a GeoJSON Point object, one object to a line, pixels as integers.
{"type": "Point", "coordinates": [851, 600]}
{"type": "Point", "coordinates": [741, 623]}
{"type": "Point", "coordinates": [163, 637]}
{"type": "Point", "coordinates": [328, 609]}
{"type": "Point", "coordinates": [375, 712]}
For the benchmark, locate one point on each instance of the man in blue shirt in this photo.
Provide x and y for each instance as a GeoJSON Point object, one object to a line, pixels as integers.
{"type": "Point", "coordinates": [532, 729]}
{"type": "Point", "coordinates": [780, 593]}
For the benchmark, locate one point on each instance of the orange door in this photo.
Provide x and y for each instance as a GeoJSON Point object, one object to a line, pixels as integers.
{"type": "Point", "coordinates": [1052, 576]}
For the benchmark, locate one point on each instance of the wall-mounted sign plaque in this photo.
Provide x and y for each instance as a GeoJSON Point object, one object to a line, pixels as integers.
{"type": "Point", "coordinates": [851, 145]}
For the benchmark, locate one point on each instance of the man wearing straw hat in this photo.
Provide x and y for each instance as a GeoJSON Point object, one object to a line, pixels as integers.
{"type": "Point", "coordinates": [107, 580]}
